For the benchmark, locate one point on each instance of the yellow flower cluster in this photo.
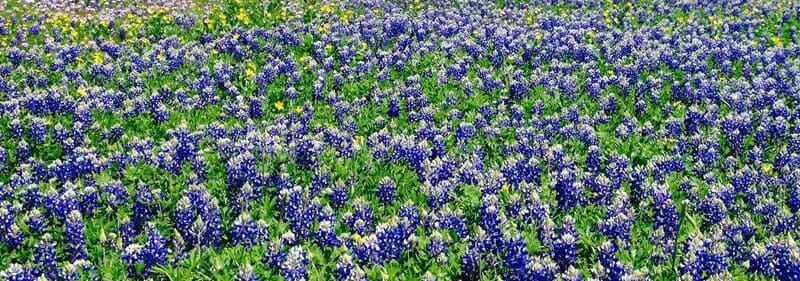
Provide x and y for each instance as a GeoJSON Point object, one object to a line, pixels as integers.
{"type": "Point", "coordinates": [250, 72]}
{"type": "Point", "coordinates": [243, 17]}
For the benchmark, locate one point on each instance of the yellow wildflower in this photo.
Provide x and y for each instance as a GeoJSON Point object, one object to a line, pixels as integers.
{"type": "Point", "coordinates": [279, 105]}
{"type": "Point", "coordinates": [358, 239]}
{"type": "Point", "coordinates": [327, 8]}
{"type": "Point", "coordinates": [298, 109]}
{"type": "Point", "coordinates": [345, 17]}
{"type": "Point", "coordinates": [767, 168]}
{"type": "Point", "coordinates": [324, 28]}
{"type": "Point", "coordinates": [98, 57]}
{"type": "Point", "coordinates": [777, 41]}
{"type": "Point", "coordinates": [82, 91]}
{"type": "Point", "coordinates": [250, 72]}
{"type": "Point", "coordinates": [243, 17]}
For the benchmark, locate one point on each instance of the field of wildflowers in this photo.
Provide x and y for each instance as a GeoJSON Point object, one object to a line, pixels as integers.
{"type": "Point", "coordinates": [399, 140]}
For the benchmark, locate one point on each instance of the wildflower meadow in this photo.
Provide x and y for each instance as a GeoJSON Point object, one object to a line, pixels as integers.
{"type": "Point", "coordinates": [354, 140]}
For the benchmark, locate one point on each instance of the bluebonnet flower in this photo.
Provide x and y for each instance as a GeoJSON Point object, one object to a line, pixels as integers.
{"type": "Point", "coordinates": [542, 268]}
{"type": "Point", "coordinates": [338, 194]}
{"type": "Point", "coordinates": [321, 181]}
{"type": "Point", "coordinates": [565, 248]}
{"type": "Point", "coordinates": [198, 218]}
{"type": "Point", "coordinates": [46, 258]}
{"type": "Point", "coordinates": [240, 169]}
{"type": "Point", "coordinates": [127, 231]}
{"type": "Point", "coordinates": [437, 195]}
{"type": "Point", "coordinates": [569, 191]}
{"type": "Point", "coordinates": [293, 266]}
{"type": "Point", "coordinates": [516, 258]}
{"type": "Point", "coordinates": [15, 126]}
{"type": "Point", "coordinates": [23, 151]}
{"type": "Point", "coordinates": [246, 232]}
{"type": "Point", "coordinates": [705, 256]}
{"type": "Point", "coordinates": [783, 253]}
{"type": "Point", "coordinates": [346, 270]}
{"type": "Point", "coordinates": [619, 220]}
{"type": "Point", "coordinates": [610, 266]}
{"type": "Point", "coordinates": [246, 273]}
{"type": "Point", "coordinates": [393, 238]}
{"type": "Point", "coordinates": [7, 218]}
{"type": "Point", "coordinates": [35, 221]}
{"type": "Point", "coordinates": [518, 170]}
{"type": "Point", "coordinates": [760, 262]}
{"type": "Point", "coordinates": [518, 90]}
{"type": "Point", "coordinates": [3, 158]}
{"type": "Point", "coordinates": [491, 221]}
{"type": "Point", "coordinates": [131, 256]}
{"type": "Point", "coordinates": [386, 191]}
{"type": "Point", "coordinates": [155, 249]}
{"type": "Point", "coordinates": [14, 237]}
{"type": "Point", "coordinates": [116, 194]}
{"type": "Point", "coordinates": [465, 132]}
{"type": "Point", "coordinates": [713, 208]}
{"type": "Point", "coordinates": [325, 236]}
{"type": "Point", "coordinates": [305, 152]}
{"type": "Point", "coordinates": [470, 264]}
{"type": "Point", "coordinates": [361, 220]}
{"type": "Point", "coordinates": [248, 194]}
{"type": "Point", "coordinates": [593, 159]}
{"type": "Point", "coordinates": [437, 246]}
{"type": "Point", "coordinates": [75, 234]}
{"type": "Point", "coordinates": [571, 274]}
{"type": "Point", "coordinates": [38, 130]}
{"type": "Point", "coordinates": [145, 206]}
{"type": "Point", "coordinates": [299, 210]}
{"type": "Point", "coordinates": [666, 221]}
{"type": "Point", "coordinates": [17, 272]}
{"type": "Point", "coordinates": [89, 200]}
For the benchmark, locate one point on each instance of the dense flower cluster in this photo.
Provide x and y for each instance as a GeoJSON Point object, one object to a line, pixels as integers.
{"type": "Point", "coordinates": [399, 140]}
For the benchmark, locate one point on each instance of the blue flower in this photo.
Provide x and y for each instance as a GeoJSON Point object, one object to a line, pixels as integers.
{"type": "Point", "coordinates": [46, 258]}
{"type": "Point", "coordinates": [74, 231]}
{"type": "Point", "coordinates": [17, 272]}
{"type": "Point", "coordinates": [293, 267]}
{"type": "Point", "coordinates": [386, 191]}
{"type": "Point", "coordinates": [246, 273]}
